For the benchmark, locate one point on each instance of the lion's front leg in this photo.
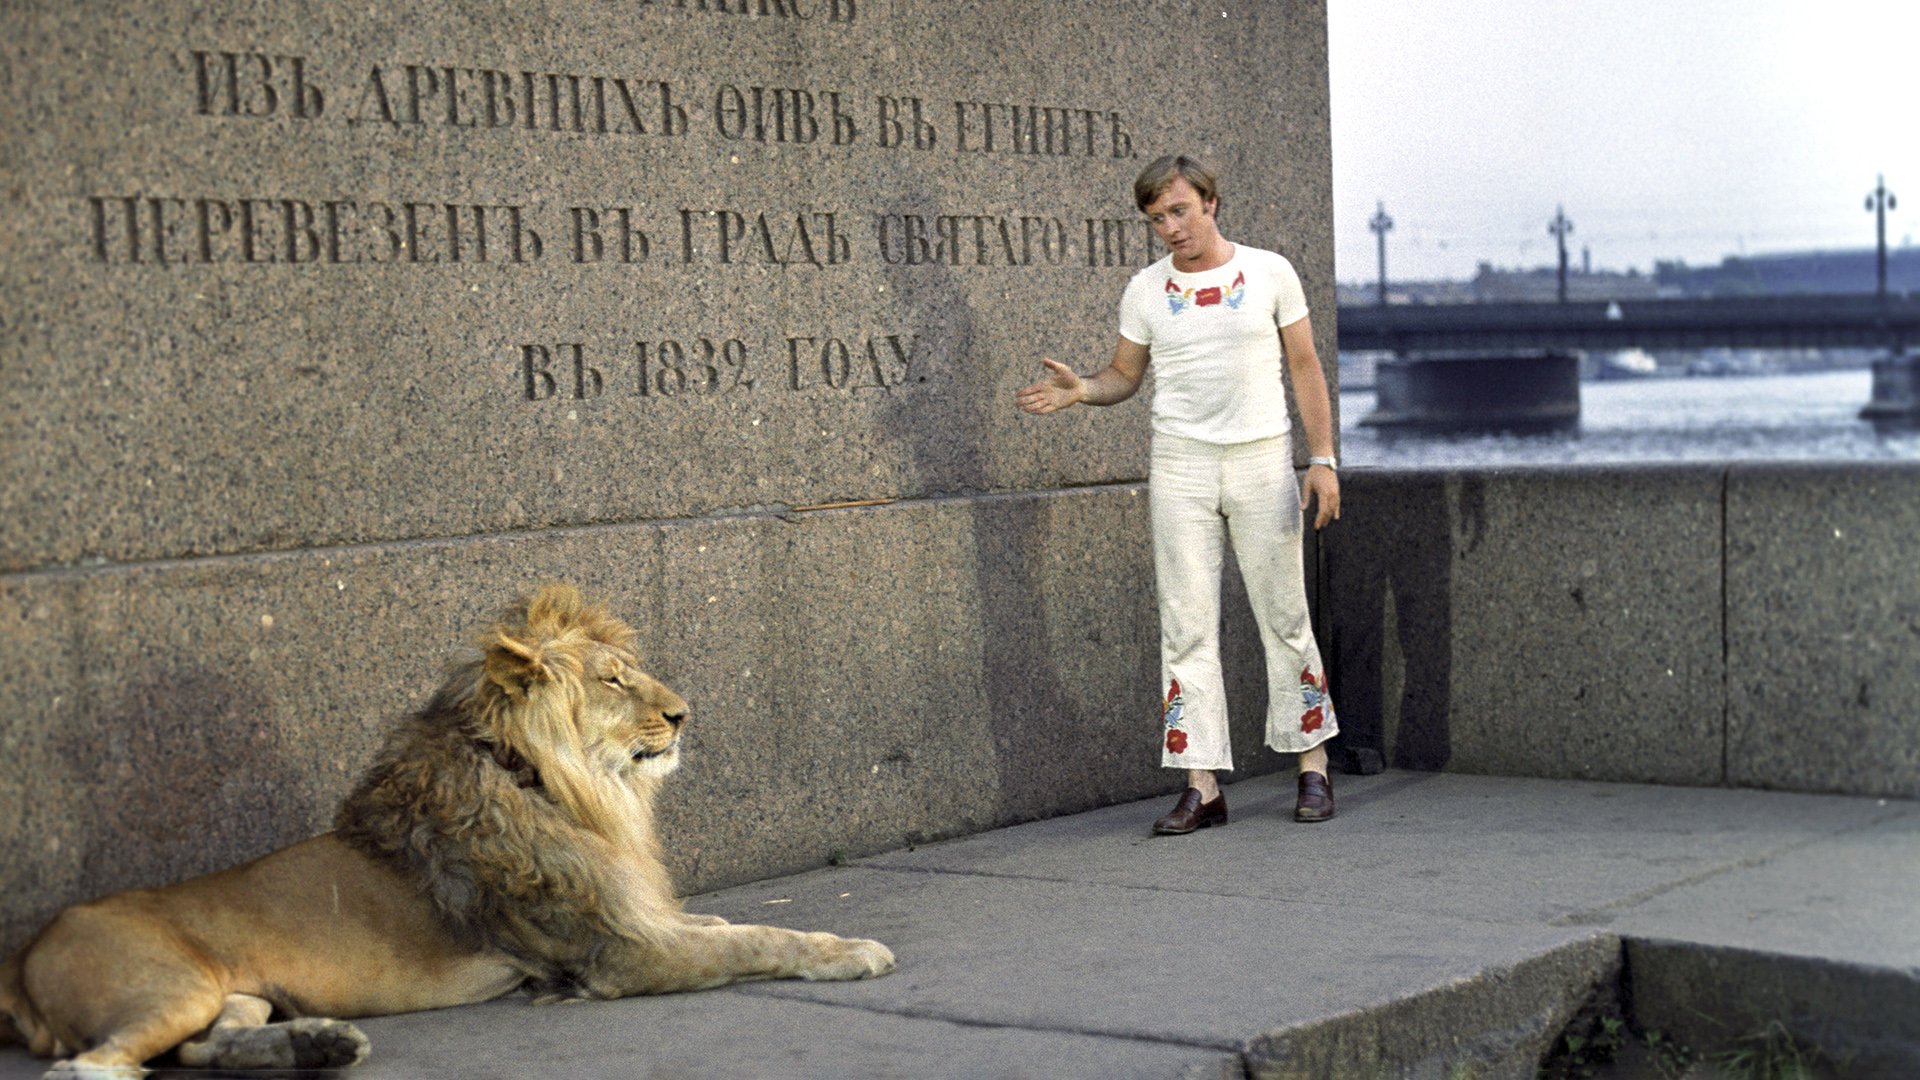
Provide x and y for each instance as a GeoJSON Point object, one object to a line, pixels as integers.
{"type": "Point", "coordinates": [243, 1039]}
{"type": "Point", "coordinates": [701, 957]}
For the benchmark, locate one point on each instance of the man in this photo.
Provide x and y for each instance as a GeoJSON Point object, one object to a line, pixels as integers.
{"type": "Point", "coordinates": [1216, 318]}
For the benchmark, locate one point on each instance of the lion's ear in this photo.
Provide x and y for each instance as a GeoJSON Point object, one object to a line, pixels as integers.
{"type": "Point", "coordinates": [515, 666]}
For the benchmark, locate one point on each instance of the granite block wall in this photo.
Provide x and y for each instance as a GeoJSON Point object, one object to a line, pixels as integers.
{"type": "Point", "coordinates": [328, 327]}
{"type": "Point", "coordinates": [1823, 628]}
{"type": "Point", "coordinates": [1559, 622]}
{"type": "Point", "coordinates": [861, 679]}
{"type": "Point", "coordinates": [1755, 625]}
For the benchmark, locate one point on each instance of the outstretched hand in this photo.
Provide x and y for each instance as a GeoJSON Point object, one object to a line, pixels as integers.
{"type": "Point", "coordinates": [1061, 388]}
{"type": "Point", "coordinates": [1323, 484]}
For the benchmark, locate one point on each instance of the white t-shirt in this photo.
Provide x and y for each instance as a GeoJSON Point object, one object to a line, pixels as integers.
{"type": "Point", "coordinates": [1215, 339]}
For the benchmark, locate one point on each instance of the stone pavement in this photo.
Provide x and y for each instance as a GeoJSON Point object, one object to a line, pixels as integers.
{"type": "Point", "coordinates": [1439, 919]}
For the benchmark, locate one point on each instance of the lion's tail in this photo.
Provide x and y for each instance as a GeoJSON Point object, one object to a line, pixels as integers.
{"type": "Point", "coordinates": [13, 999]}
{"type": "Point", "coordinates": [20, 1022]}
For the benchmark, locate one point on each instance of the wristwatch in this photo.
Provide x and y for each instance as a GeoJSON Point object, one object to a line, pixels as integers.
{"type": "Point", "coordinates": [1327, 461]}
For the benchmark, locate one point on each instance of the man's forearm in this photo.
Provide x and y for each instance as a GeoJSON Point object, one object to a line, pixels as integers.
{"type": "Point", "coordinates": [1316, 407]}
{"type": "Point", "coordinates": [1107, 386]}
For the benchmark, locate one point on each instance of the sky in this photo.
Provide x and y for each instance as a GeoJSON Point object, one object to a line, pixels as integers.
{"type": "Point", "coordinates": [1668, 129]}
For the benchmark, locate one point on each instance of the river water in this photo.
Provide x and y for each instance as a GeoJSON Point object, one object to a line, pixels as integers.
{"type": "Point", "coordinates": [1777, 417]}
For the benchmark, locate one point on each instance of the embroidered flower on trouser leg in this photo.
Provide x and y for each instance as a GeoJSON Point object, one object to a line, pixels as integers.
{"type": "Point", "coordinates": [1313, 696]}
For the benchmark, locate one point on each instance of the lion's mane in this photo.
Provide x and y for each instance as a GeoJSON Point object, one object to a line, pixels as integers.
{"type": "Point", "coordinates": [490, 801]}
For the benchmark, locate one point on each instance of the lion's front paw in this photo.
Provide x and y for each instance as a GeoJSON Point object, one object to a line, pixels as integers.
{"type": "Point", "coordinates": [307, 1043]}
{"type": "Point", "coordinates": [853, 958]}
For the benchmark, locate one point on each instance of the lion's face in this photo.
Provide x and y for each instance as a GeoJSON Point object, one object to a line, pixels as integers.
{"type": "Point", "coordinates": [566, 686]}
{"type": "Point", "coordinates": [629, 719]}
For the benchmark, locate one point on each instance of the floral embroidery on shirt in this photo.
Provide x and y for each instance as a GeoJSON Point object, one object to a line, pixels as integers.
{"type": "Point", "coordinates": [1237, 292]}
{"type": "Point", "coordinates": [1179, 299]}
{"type": "Point", "coordinates": [1176, 741]}
{"type": "Point", "coordinates": [1313, 697]}
{"type": "Point", "coordinates": [1176, 297]}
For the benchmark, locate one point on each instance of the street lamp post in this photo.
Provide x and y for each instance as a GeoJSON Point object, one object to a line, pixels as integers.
{"type": "Point", "coordinates": [1380, 223]}
{"type": "Point", "coordinates": [1879, 201]}
{"type": "Point", "coordinates": [1560, 227]}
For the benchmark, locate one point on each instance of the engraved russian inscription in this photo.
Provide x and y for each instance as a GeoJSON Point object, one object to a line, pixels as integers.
{"type": "Point", "coordinates": [536, 363]}
{"type": "Point", "coordinates": [466, 97]}
{"type": "Point", "coordinates": [1119, 242]}
{"type": "Point", "coordinates": [970, 239]}
{"type": "Point", "coordinates": [397, 95]}
{"type": "Point", "coordinates": [706, 365]}
{"type": "Point", "coordinates": [773, 114]}
{"type": "Point", "coordinates": [839, 11]}
{"type": "Point", "coordinates": [668, 368]}
{"type": "Point", "coordinates": [734, 237]}
{"type": "Point", "coordinates": [600, 233]}
{"type": "Point", "coordinates": [984, 127]}
{"type": "Point", "coordinates": [279, 231]}
{"type": "Point", "coordinates": [876, 363]}
{"type": "Point", "coordinates": [282, 231]}
{"type": "Point", "coordinates": [903, 123]}
{"type": "Point", "coordinates": [254, 85]}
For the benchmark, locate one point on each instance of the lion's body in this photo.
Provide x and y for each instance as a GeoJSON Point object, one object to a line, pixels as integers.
{"type": "Point", "coordinates": [503, 837]}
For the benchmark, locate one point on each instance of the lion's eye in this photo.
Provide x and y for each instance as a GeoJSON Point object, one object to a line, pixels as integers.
{"type": "Point", "coordinates": [614, 681]}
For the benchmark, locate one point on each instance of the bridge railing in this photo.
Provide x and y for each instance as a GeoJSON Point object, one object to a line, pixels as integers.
{"type": "Point", "coordinates": [1791, 321]}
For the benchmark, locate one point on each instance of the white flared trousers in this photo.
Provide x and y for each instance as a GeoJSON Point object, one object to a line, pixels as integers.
{"type": "Point", "coordinates": [1202, 495]}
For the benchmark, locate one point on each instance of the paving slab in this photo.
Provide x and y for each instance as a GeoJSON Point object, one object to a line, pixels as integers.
{"type": "Point", "coordinates": [1176, 964]}
{"type": "Point", "coordinates": [1440, 918]}
{"type": "Point", "coordinates": [728, 1034]}
{"type": "Point", "coordinates": [1473, 847]}
{"type": "Point", "coordinates": [1852, 897]}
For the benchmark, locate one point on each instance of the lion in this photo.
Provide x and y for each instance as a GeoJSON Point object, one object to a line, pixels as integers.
{"type": "Point", "coordinates": [502, 839]}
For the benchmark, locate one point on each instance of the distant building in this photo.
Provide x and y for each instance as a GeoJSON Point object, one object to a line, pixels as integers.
{"type": "Point", "coordinates": [1493, 286]}
{"type": "Point", "coordinates": [1542, 285]}
{"type": "Point", "coordinates": [1793, 272]}
{"type": "Point", "coordinates": [1405, 292]}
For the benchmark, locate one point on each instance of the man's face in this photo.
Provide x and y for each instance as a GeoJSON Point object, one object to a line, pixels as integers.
{"type": "Point", "coordinates": [1183, 221]}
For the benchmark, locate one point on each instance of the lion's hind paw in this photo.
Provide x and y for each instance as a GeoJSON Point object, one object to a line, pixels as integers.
{"type": "Point", "coordinates": [854, 958]}
{"type": "Point", "coordinates": [74, 1070]}
{"type": "Point", "coordinates": [310, 1042]}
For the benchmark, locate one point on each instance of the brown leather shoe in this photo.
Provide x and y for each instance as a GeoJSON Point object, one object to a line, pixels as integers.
{"type": "Point", "coordinates": [1189, 814]}
{"type": "Point", "coordinates": [1316, 798]}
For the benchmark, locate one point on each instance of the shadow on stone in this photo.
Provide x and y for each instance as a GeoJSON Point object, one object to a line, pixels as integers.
{"type": "Point", "coordinates": [1391, 566]}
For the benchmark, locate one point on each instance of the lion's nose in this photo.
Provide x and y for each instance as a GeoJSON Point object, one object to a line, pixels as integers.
{"type": "Point", "coordinates": [675, 719]}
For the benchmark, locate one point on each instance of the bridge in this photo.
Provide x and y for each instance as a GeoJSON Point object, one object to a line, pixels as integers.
{"type": "Point", "coordinates": [1807, 320]}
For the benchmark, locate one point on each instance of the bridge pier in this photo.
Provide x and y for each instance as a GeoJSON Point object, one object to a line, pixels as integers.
{"type": "Point", "coordinates": [1896, 391]}
{"type": "Point", "coordinates": [1515, 391]}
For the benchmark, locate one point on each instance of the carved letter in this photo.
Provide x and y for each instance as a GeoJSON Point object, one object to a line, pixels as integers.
{"type": "Point", "coordinates": [795, 381]}
{"type": "Point", "coordinates": [729, 112]}
{"type": "Point", "coordinates": [673, 118]}
{"type": "Point", "coordinates": [498, 87]}
{"type": "Point", "coordinates": [537, 363]}
{"type": "Point", "coordinates": [101, 227]}
{"type": "Point", "coordinates": [843, 129]}
{"type": "Point", "coordinates": [376, 91]}
{"type": "Point", "coordinates": [586, 378]}
{"type": "Point", "coordinates": [308, 102]}
{"type": "Point", "coordinates": [303, 242]}
{"type": "Point", "coordinates": [423, 83]}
